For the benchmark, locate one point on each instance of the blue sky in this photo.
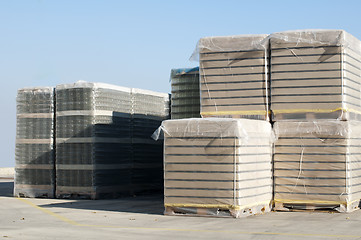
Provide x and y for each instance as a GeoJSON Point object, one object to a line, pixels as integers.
{"type": "Point", "coordinates": [132, 43]}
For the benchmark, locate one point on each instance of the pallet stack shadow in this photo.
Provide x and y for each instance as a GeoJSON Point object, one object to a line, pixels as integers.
{"type": "Point", "coordinates": [185, 102]}
{"type": "Point", "coordinates": [217, 167]}
{"type": "Point", "coordinates": [315, 100]}
{"type": "Point", "coordinates": [93, 140]}
{"type": "Point", "coordinates": [234, 79]}
{"type": "Point", "coordinates": [149, 109]}
{"type": "Point", "coordinates": [34, 151]}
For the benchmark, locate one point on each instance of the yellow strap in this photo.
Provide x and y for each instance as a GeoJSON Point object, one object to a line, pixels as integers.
{"type": "Point", "coordinates": [309, 201]}
{"type": "Point", "coordinates": [223, 206]}
{"type": "Point", "coordinates": [218, 113]}
{"type": "Point", "coordinates": [314, 110]}
{"type": "Point", "coordinates": [307, 110]}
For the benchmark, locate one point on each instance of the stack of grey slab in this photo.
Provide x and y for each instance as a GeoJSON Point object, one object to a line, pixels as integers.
{"type": "Point", "coordinates": [149, 109]}
{"type": "Point", "coordinates": [34, 152]}
{"type": "Point", "coordinates": [185, 102]}
{"type": "Point", "coordinates": [93, 140]}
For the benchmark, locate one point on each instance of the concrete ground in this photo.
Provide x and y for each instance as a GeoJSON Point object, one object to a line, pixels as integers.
{"type": "Point", "coordinates": [141, 218]}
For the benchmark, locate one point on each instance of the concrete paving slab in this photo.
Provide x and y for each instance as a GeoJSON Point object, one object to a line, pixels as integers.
{"type": "Point", "coordinates": [141, 218]}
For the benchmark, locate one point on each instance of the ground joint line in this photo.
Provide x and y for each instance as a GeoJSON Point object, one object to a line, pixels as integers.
{"type": "Point", "coordinates": [74, 223]}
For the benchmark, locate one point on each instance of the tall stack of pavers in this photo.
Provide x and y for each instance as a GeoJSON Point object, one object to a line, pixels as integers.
{"type": "Point", "coordinates": [93, 140]}
{"type": "Point", "coordinates": [103, 141]}
{"type": "Point", "coordinates": [220, 164]}
{"type": "Point", "coordinates": [149, 109]}
{"type": "Point", "coordinates": [34, 150]}
{"type": "Point", "coordinates": [316, 105]}
{"type": "Point", "coordinates": [185, 102]}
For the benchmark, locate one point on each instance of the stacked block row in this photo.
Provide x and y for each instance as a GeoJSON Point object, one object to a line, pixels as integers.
{"type": "Point", "coordinates": [34, 150]}
{"type": "Point", "coordinates": [148, 111]}
{"type": "Point", "coordinates": [93, 140]}
{"type": "Point", "coordinates": [103, 141]}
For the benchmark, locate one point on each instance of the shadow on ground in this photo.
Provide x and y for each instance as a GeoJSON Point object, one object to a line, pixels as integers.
{"type": "Point", "coordinates": [6, 188]}
{"type": "Point", "coordinates": [152, 204]}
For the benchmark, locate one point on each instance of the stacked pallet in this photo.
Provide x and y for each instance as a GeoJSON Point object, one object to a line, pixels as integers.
{"type": "Point", "coordinates": [185, 93]}
{"type": "Point", "coordinates": [149, 109]}
{"type": "Point", "coordinates": [315, 75]}
{"type": "Point", "coordinates": [315, 84]}
{"type": "Point", "coordinates": [93, 140]}
{"type": "Point", "coordinates": [318, 165]}
{"type": "Point", "coordinates": [217, 167]}
{"type": "Point", "coordinates": [34, 151]}
{"type": "Point", "coordinates": [234, 76]}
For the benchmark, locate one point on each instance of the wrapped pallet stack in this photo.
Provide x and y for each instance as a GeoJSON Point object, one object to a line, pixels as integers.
{"type": "Point", "coordinates": [315, 101]}
{"type": "Point", "coordinates": [34, 151]}
{"type": "Point", "coordinates": [217, 167]}
{"type": "Point", "coordinates": [185, 102]}
{"type": "Point", "coordinates": [149, 109]}
{"type": "Point", "coordinates": [93, 140]}
{"type": "Point", "coordinates": [316, 74]}
{"type": "Point", "coordinates": [234, 78]}
{"type": "Point", "coordinates": [318, 165]}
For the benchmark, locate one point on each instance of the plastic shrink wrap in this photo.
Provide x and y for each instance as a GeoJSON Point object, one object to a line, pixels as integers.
{"type": "Point", "coordinates": [185, 100]}
{"type": "Point", "coordinates": [234, 78]}
{"type": "Point", "coordinates": [34, 151]}
{"type": "Point", "coordinates": [317, 165]}
{"type": "Point", "coordinates": [315, 74]}
{"type": "Point", "coordinates": [217, 167]}
{"type": "Point", "coordinates": [93, 140]}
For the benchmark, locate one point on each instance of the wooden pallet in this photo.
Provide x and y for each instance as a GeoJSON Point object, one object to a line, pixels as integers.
{"type": "Point", "coordinates": [217, 212]}
{"type": "Point", "coordinates": [33, 191]}
{"type": "Point", "coordinates": [295, 207]}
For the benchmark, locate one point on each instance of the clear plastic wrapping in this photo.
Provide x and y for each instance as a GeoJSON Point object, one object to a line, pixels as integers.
{"type": "Point", "coordinates": [316, 74]}
{"type": "Point", "coordinates": [103, 140]}
{"type": "Point", "coordinates": [234, 76]}
{"type": "Point", "coordinates": [217, 167]}
{"type": "Point", "coordinates": [34, 150]}
{"type": "Point", "coordinates": [93, 139]}
{"type": "Point", "coordinates": [317, 165]}
{"type": "Point", "coordinates": [185, 93]}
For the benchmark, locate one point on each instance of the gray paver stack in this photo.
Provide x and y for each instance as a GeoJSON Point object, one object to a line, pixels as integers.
{"type": "Point", "coordinates": [34, 151]}
{"type": "Point", "coordinates": [149, 109]}
{"type": "Point", "coordinates": [185, 93]}
{"type": "Point", "coordinates": [93, 140]}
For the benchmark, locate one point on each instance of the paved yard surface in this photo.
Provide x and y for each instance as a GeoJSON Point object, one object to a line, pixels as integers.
{"type": "Point", "coordinates": [141, 218]}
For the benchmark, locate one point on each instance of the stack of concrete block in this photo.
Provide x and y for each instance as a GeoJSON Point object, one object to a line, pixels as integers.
{"type": "Point", "coordinates": [317, 164]}
{"type": "Point", "coordinates": [315, 100]}
{"type": "Point", "coordinates": [234, 78]}
{"type": "Point", "coordinates": [217, 167]}
{"type": "Point", "coordinates": [34, 151]}
{"type": "Point", "coordinates": [149, 109]}
{"type": "Point", "coordinates": [93, 140]}
{"type": "Point", "coordinates": [185, 102]}
{"type": "Point", "coordinates": [315, 74]}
